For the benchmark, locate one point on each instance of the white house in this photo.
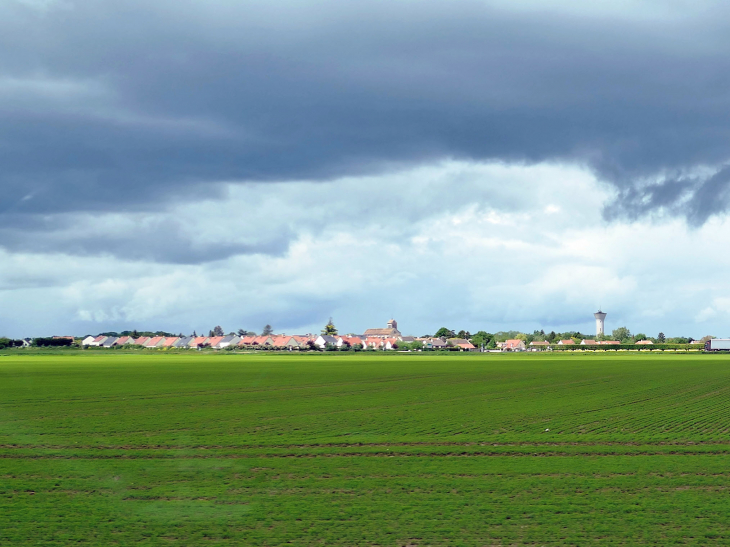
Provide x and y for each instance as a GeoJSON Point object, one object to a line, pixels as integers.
{"type": "Point", "coordinates": [323, 340]}
{"type": "Point", "coordinates": [230, 340]}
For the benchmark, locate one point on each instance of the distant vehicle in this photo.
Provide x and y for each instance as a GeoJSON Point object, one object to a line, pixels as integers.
{"type": "Point", "coordinates": [718, 344]}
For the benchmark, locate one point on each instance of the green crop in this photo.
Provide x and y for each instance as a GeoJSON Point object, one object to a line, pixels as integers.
{"type": "Point", "coordinates": [383, 449]}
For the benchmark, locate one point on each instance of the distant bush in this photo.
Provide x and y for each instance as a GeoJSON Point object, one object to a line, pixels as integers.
{"type": "Point", "coordinates": [8, 343]}
{"type": "Point", "coordinates": [52, 342]}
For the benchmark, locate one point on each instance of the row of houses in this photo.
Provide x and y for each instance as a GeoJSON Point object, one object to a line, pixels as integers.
{"type": "Point", "coordinates": [519, 345]}
{"type": "Point", "coordinates": [197, 342]}
{"type": "Point", "coordinates": [280, 341]}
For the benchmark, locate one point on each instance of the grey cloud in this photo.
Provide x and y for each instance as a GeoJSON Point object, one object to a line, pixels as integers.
{"type": "Point", "coordinates": [163, 239]}
{"type": "Point", "coordinates": [128, 106]}
{"type": "Point", "coordinates": [696, 198]}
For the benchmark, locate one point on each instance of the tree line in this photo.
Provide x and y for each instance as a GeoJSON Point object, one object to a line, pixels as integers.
{"type": "Point", "coordinates": [621, 334]}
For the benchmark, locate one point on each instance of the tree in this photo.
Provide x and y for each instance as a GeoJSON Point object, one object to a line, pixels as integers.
{"type": "Point", "coordinates": [492, 344]}
{"type": "Point", "coordinates": [661, 338]}
{"type": "Point", "coordinates": [621, 334]}
{"type": "Point", "coordinates": [481, 338]}
{"type": "Point", "coordinates": [443, 332]}
{"type": "Point", "coordinates": [195, 334]}
{"type": "Point", "coordinates": [551, 337]}
{"type": "Point", "coordinates": [217, 331]}
{"type": "Point", "coordinates": [639, 337]}
{"type": "Point", "coordinates": [244, 332]}
{"type": "Point", "coordinates": [329, 329]}
{"type": "Point", "coordinates": [267, 330]}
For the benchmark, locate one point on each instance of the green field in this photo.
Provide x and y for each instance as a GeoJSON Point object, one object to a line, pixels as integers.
{"type": "Point", "coordinates": [332, 449]}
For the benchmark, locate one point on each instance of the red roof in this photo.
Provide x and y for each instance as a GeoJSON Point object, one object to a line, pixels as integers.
{"type": "Point", "coordinates": [373, 342]}
{"type": "Point", "coordinates": [214, 340]}
{"type": "Point", "coordinates": [567, 342]}
{"type": "Point", "coordinates": [141, 340]}
{"type": "Point", "coordinates": [152, 342]}
{"type": "Point", "coordinates": [170, 341]}
{"type": "Point", "coordinates": [281, 341]}
{"type": "Point", "coordinates": [247, 340]}
{"type": "Point", "coordinates": [512, 343]}
{"type": "Point", "coordinates": [124, 340]}
{"type": "Point", "coordinates": [198, 341]}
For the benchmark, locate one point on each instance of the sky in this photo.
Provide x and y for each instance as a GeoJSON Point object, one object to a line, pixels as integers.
{"type": "Point", "coordinates": [479, 165]}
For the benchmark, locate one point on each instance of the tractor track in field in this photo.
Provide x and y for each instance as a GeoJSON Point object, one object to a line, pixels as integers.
{"type": "Point", "coordinates": [387, 454]}
{"type": "Point", "coordinates": [526, 444]}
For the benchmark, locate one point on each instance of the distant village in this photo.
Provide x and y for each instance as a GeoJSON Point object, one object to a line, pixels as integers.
{"type": "Point", "coordinates": [388, 338]}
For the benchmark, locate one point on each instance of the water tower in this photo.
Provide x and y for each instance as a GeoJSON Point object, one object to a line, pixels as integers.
{"type": "Point", "coordinates": [600, 316]}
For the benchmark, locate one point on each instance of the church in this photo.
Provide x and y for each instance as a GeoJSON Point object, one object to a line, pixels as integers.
{"type": "Point", "coordinates": [390, 332]}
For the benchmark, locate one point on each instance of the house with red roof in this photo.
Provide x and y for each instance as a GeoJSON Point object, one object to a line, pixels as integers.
{"type": "Point", "coordinates": [168, 342]}
{"type": "Point", "coordinates": [198, 341]}
{"type": "Point", "coordinates": [247, 340]}
{"type": "Point", "coordinates": [514, 345]}
{"type": "Point", "coordinates": [568, 342]}
{"type": "Point", "coordinates": [349, 341]}
{"type": "Point", "coordinates": [390, 343]}
{"type": "Point", "coordinates": [154, 342]}
{"type": "Point", "coordinates": [124, 341]}
{"type": "Point", "coordinates": [213, 341]}
{"type": "Point", "coordinates": [285, 342]}
{"type": "Point", "coordinates": [98, 341]}
{"type": "Point", "coordinates": [141, 340]}
{"type": "Point", "coordinates": [373, 342]}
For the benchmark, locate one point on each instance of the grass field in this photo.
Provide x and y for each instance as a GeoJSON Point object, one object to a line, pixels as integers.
{"type": "Point", "coordinates": [115, 449]}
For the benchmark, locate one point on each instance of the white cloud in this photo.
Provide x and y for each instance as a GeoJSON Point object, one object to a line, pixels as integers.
{"type": "Point", "coordinates": [490, 253]}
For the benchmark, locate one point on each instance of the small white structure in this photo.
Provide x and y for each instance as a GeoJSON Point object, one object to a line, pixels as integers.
{"type": "Point", "coordinates": [87, 341]}
{"type": "Point", "coordinates": [600, 318]}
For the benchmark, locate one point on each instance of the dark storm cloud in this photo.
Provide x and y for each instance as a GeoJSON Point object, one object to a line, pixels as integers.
{"type": "Point", "coordinates": [161, 240]}
{"type": "Point", "coordinates": [128, 106]}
